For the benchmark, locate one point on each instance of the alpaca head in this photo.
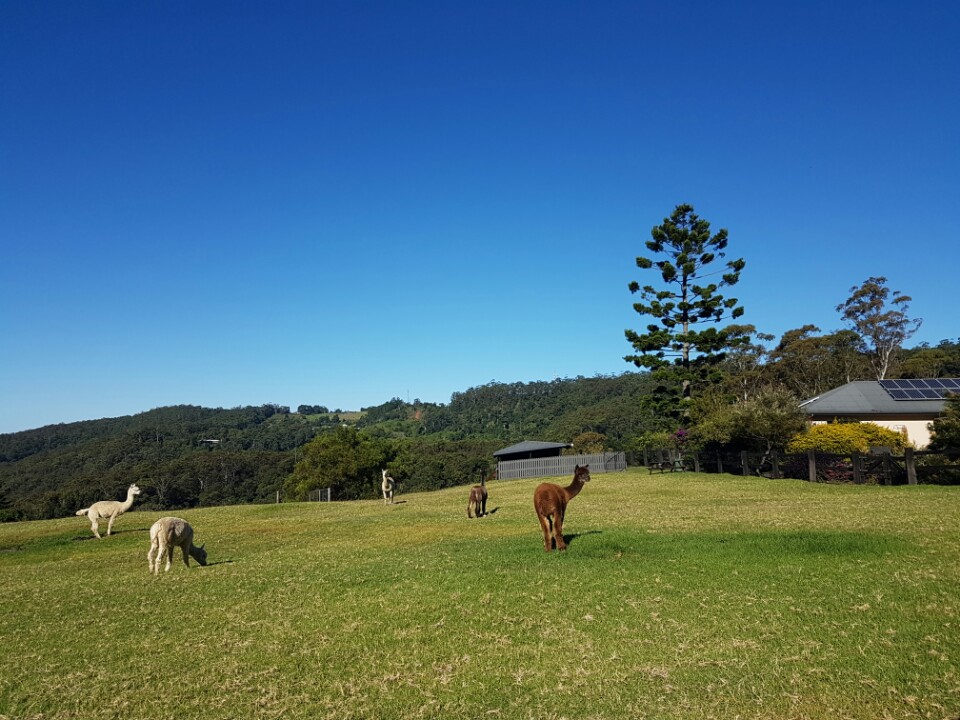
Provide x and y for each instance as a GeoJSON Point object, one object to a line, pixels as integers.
{"type": "Point", "coordinates": [134, 489]}
{"type": "Point", "coordinates": [582, 473]}
{"type": "Point", "coordinates": [200, 554]}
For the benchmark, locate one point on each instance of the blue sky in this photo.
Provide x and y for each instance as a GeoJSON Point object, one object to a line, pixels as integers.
{"type": "Point", "coordinates": [337, 203]}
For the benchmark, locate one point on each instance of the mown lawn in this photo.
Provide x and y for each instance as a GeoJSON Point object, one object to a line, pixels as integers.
{"type": "Point", "coordinates": [681, 596]}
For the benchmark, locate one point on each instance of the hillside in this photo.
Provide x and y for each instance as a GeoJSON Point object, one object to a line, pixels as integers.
{"type": "Point", "coordinates": [52, 471]}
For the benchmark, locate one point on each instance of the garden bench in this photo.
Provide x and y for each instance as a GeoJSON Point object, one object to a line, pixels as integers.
{"type": "Point", "coordinates": [668, 466]}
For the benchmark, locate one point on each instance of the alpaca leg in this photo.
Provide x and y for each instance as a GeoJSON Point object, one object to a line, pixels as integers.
{"type": "Point", "coordinates": [110, 524]}
{"type": "Point", "coordinates": [558, 531]}
{"type": "Point", "coordinates": [545, 526]}
{"type": "Point", "coordinates": [150, 554]}
{"type": "Point", "coordinates": [483, 506]}
{"type": "Point", "coordinates": [168, 552]}
{"type": "Point", "coordinates": [469, 508]}
{"type": "Point", "coordinates": [186, 555]}
{"type": "Point", "coordinates": [95, 526]}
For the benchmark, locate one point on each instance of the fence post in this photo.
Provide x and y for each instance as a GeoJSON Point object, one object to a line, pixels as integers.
{"type": "Point", "coordinates": [911, 464]}
{"type": "Point", "coordinates": [811, 465]}
{"type": "Point", "coordinates": [857, 467]}
{"type": "Point", "coordinates": [744, 463]}
{"type": "Point", "coordinates": [775, 464]}
{"type": "Point", "coordinates": [887, 474]}
{"type": "Point", "coordinates": [696, 462]}
{"type": "Point", "coordinates": [719, 463]}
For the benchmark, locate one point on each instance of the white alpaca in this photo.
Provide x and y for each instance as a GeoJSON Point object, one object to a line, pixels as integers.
{"type": "Point", "coordinates": [387, 486]}
{"type": "Point", "coordinates": [108, 509]}
{"type": "Point", "coordinates": [167, 534]}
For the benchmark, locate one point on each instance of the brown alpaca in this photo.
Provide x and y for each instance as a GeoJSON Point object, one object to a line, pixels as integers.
{"type": "Point", "coordinates": [477, 504]}
{"type": "Point", "coordinates": [550, 502]}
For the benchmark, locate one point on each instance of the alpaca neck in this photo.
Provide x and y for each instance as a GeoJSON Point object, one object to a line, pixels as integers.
{"type": "Point", "coordinates": [574, 488]}
{"type": "Point", "coordinates": [128, 502]}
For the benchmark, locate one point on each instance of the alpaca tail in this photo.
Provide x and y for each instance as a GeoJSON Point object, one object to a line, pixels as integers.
{"type": "Point", "coordinates": [82, 512]}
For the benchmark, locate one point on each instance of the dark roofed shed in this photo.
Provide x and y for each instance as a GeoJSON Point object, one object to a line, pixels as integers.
{"type": "Point", "coordinates": [530, 449]}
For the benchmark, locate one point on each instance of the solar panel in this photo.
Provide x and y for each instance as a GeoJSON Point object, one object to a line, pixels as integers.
{"type": "Point", "coordinates": [920, 388]}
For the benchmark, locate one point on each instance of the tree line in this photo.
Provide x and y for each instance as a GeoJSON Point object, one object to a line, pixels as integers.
{"type": "Point", "coordinates": [184, 456]}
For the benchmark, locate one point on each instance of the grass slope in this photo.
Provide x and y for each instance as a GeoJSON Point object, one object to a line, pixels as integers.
{"type": "Point", "coordinates": [681, 596]}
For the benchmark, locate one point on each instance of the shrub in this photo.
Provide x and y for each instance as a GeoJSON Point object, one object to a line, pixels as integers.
{"type": "Point", "coordinates": [588, 443]}
{"type": "Point", "coordinates": [845, 438]}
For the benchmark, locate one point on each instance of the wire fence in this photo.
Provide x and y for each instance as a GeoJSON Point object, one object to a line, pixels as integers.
{"type": "Point", "coordinates": [880, 466]}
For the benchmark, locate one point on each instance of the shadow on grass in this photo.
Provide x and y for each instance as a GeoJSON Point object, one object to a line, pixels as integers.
{"type": "Point", "coordinates": [104, 536]}
{"type": "Point", "coordinates": [743, 546]}
{"type": "Point", "coordinates": [574, 537]}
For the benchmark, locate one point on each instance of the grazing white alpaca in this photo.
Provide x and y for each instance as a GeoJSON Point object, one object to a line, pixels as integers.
{"type": "Point", "coordinates": [108, 509]}
{"type": "Point", "coordinates": [167, 534]}
{"type": "Point", "coordinates": [387, 486]}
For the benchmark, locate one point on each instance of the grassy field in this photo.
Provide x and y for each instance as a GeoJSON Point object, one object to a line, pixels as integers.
{"type": "Point", "coordinates": [681, 596]}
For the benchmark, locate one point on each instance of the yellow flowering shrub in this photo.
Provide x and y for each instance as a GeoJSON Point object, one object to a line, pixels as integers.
{"type": "Point", "coordinates": [846, 438]}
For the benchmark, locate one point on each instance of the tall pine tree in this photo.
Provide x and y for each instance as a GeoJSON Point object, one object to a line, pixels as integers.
{"type": "Point", "coordinates": [675, 348]}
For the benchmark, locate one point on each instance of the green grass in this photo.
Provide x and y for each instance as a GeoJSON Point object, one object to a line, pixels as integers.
{"type": "Point", "coordinates": [681, 596]}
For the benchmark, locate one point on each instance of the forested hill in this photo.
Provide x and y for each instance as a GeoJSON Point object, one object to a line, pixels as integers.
{"type": "Point", "coordinates": [53, 470]}
{"type": "Point", "coordinates": [556, 411]}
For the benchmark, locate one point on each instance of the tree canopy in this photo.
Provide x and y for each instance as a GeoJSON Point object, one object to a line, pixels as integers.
{"type": "Point", "coordinates": [880, 320]}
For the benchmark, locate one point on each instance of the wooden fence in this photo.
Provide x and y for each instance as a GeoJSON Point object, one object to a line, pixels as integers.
{"type": "Point", "coordinates": [320, 495]}
{"type": "Point", "coordinates": [562, 465]}
{"type": "Point", "coordinates": [883, 468]}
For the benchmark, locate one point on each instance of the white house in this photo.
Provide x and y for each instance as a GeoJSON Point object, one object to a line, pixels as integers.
{"type": "Point", "coordinates": [905, 406]}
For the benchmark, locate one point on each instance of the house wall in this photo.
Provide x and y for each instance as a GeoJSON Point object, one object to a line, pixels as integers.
{"type": "Point", "coordinates": [916, 430]}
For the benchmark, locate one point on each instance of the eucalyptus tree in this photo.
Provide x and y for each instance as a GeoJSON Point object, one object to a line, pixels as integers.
{"type": "Point", "coordinates": [746, 368]}
{"type": "Point", "coordinates": [809, 363]}
{"type": "Point", "coordinates": [687, 297]}
{"type": "Point", "coordinates": [881, 321]}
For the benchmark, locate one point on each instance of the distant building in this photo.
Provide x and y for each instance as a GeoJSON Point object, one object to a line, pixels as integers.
{"type": "Point", "coordinates": [531, 449]}
{"type": "Point", "coordinates": [904, 406]}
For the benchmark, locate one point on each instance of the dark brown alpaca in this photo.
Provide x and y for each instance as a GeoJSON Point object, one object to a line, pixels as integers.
{"type": "Point", "coordinates": [478, 500]}
{"type": "Point", "coordinates": [550, 502]}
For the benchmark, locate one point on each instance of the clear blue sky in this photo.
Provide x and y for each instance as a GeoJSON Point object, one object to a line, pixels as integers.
{"type": "Point", "coordinates": [337, 203]}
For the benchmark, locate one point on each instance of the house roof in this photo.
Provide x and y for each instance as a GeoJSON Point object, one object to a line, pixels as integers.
{"type": "Point", "coordinates": [531, 446]}
{"type": "Point", "coordinates": [868, 397]}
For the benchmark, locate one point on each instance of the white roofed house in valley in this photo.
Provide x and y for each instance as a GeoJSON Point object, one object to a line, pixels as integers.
{"type": "Point", "coordinates": [906, 406]}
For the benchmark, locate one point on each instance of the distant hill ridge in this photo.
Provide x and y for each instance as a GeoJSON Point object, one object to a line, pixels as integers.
{"type": "Point", "coordinates": [44, 472]}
